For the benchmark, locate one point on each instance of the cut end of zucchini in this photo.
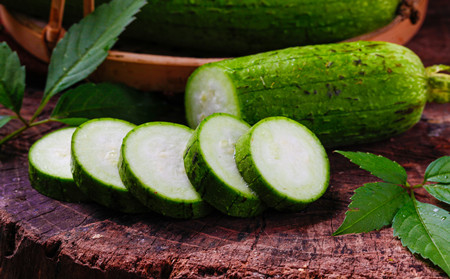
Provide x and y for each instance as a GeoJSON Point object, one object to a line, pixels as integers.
{"type": "Point", "coordinates": [152, 169]}
{"type": "Point", "coordinates": [96, 146]}
{"type": "Point", "coordinates": [290, 166]}
{"type": "Point", "coordinates": [49, 167]}
{"type": "Point", "coordinates": [211, 167]}
{"type": "Point", "coordinates": [209, 90]}
{"type": "Point", "coordinates": [95, 157]}
{"type": "Point", "coordinates": [51, 154]}
{"type": "Point", "coordinates": [217, 140]}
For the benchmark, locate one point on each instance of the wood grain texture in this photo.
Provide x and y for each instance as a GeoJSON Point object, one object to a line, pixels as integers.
{"type": "Point", "coordinates": [44, 238]}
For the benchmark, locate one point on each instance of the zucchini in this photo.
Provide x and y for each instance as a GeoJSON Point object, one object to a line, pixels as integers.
{"type": "Point", "coordinates": [248, 26]}
{"type": "Point", "coordinates": [95, 156]}
{"type": "Point", "coordinates": [284, 163]}
{"type": "Point", "coordinates": [211, 168]}
{"type": "Point", "coordinates": [152, 169]}
{"type": "Point", "coordinates": [49, 167]}
{"type": "Point", "coordinates": [345, 93]}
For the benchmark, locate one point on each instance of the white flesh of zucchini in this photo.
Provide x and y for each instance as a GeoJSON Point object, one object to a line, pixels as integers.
{"type": "Point", "coordinates": [51, 154]}
{"type": "Point", "coordinates": [217, 142]}
{"type": "Point", "coordinates": [97, 149]}
{"type": "Point", "coordinates": [210, 91]}
{"type": "Point", "coordinates": [289, 159]}
{"type": "Point", "coordinates": [154, 154]}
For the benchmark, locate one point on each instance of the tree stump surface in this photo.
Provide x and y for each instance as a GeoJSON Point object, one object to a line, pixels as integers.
{"type": "Point", "coordinates": [44, 238]}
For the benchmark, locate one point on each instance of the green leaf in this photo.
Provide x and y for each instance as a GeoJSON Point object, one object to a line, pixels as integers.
{"type": "Point", "coordinates": [373, 206]}
{"type": "Point", "coordinates": [4, 119]}
{"type": "Point", "coordinates": [12, 79]}
{"type": "Point", "coordinates": [439, 191]}
{"type": "Point", "coordinates": [424, 229]}
{"type": "Point", "coordinates": [86, 44]}
{"type": "Point", "coordinates": [379, 166]}
{"type": "Point", "coordinates": [110, 100]}
{"type": "Point", "coordinates": [438, 171]}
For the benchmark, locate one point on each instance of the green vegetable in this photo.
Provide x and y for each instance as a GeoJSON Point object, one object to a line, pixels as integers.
{"type": "Point", "coordinates": [423, 228]}
{"type": "Point", "coordinates": [284, 163]}
{"type": "Point", "coordinates": [211, 168]}
{"type": "Point", "coordinates": [49, 167]}
{"type": "Point", "coordinates": [246, 26]}
{"type": "Point", "coordinates": [95, 156]}
{"type": "Point", "coordinates": [345, 93]}
{"type": "Point", "coordinates": [152, 169]}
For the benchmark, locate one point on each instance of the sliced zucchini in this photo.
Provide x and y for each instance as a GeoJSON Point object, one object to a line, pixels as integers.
{"type": "Point", "coordinates": [210, 166]}
{"type": "Point", "coordinates": [95, 156]}
{"type": "Point", "coordinates": [49, 167]}
{"type": "Point", "coordinates": [284, 163]}
{"type": "Point", "coordinates": [152, 169]}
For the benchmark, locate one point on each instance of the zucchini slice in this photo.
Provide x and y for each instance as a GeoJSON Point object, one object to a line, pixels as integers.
{"type": "Point", "coordinates": [95, 156]}
{"type": "Point", "coordinates": [152, 168]}
{"type": "Point", "coordinates": [284, 163]}
{"type": "Point", "coordinates": [210, 166]}
{"type": "Point", "coordinates": [49, 167]}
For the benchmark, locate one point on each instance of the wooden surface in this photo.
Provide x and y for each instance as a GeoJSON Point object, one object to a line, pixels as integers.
{"type": "Point", "coordinates": [44, 238]}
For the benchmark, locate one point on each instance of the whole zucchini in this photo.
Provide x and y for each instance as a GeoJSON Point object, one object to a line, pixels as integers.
{"type": "Point", "coordinates": [345, 93]}
{"type": "Point", "coordinates": [236, 27]}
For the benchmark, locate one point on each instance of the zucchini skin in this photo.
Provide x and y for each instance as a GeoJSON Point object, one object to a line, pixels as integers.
{"type": "Point", "coordinates": [57, 188]}
{"type": "Point", "coordinates": [110, 197]}
{"type": "Point", "coordinates": [247, 27]}
{"type": "Point", "coordinates": [164, 206]}
{"type": "Point", "coordinates": [347, 93]}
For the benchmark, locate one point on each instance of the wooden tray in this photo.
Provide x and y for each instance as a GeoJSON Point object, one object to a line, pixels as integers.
{"type": "Point", "coordinates": [169, 73]}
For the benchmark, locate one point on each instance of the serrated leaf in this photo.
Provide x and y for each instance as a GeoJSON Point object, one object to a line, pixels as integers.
{"type": "Point", "coordinates": [373, 206]}
{"type": "Point", "coordinates": [86, 44]}
{"type": "Point", "coordinates": [110, 100]}
{"type": "Point", "coordinates": [380, 166]}
{"type": "Point", "coordinates": [424, 229]}
{"type": "Point", "coordinates": [438, 171]}
{"type": "Point", "coordinates": [12, 79]}
{"type": "Point", "coordinates": [4, 119]}
{"type": "Point", "coordinates": [439, 191]}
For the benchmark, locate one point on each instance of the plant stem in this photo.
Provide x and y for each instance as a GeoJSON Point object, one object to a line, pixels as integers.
{"type": "Point", "coordinates": [13, 134]}
{"type": "Point", "coordinates": [413, 197]}
{"type": "Point", "coordinates": [23, 129]}
{"type": "Point", "coordinates": [22, 119]}
{"type": "Point", "coordinates": [39, 109]}
{"type": "Point", "coordinates": [48, 120]}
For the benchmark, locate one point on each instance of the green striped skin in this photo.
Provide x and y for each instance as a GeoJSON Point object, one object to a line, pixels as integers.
{"type": "Point", "coordinates": [176, 208]}
{"type": "Point", "coordinates": [270, 193]}
{"type": "Point", "coordinates": [108, 195]}
{"type": "Point", "coordinates": [50, 185]}
{"type": "Point", "coordinates": [55, 188]}
{"type": "Point", "coordinates": [212, 188]}
{"type": "Point", "coordinates": [346, 93]}
{"type": "Point", "coordinates": [248, 26]}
